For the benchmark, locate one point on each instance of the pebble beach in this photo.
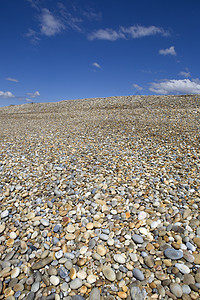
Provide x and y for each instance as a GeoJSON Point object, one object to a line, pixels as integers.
{"type": "Point", "coordinates": [100, 199]}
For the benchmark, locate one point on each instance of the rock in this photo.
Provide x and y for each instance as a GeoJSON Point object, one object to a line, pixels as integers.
{"type": "Point", "coordinates": [173, 254]}
{"type": "Point", "coordinates": [2, 227]}
{"type": "Point", "coordinates": [182, 268]}
{"type": "Point", "coordinates": [137, 239]}
{"type": "Point", "coordinates": [176, 289]}
{"type": "Point", "coordinates": [54, 280]}
{"type": "Point", "coordinates": [15, 272]}
{"type": "Point", "coordinates": [42, 263]}
{"type": "Point", "coordinates": [149, 261]}
{"type": "Point", "coordinates": [109, 273]}
{"type": "Point", "coordinates": [4, 214]}
{"type": "Point", "coordinates": [196, 258]}
{"type": "Point", "coordinates": [35, 287]}
{"type": "Point", "coordinates": [44, 222]}
{"type": "Point", "coordinates": [94, 294]}
{"type": "Point", "coordinates": [76, 284]}
{"type": "Point", "coordinates": [101, 250]}
{"type": "Point", "coordinates": [119, 258]}
{"type": "Point", "coordinates": [142, 215]}
{"type": "Point", "coordinates": [197, 241]}
{"type": "Point", "coordinates": [138, 274]}
{"type": "Point", "coordinates": [137, 294]}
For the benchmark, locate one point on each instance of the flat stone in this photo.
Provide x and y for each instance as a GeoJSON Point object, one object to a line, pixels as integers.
{"type": "Point", "coordinates": [149, 261]}
{"type": "Point", "coordinates": [182, 268]}
{"type": "Point", "coordinates": [137, 294]}
{"type": "Point", "coordinates": [15, 272]}
{"type": "Point", "coordinates": [54, 280]}
{"type": "Point", "coordinates": [119, 258]}
{"type": "Point", "coordinates": [76, 284]}
{"type": "Point", "coordinates": [196, 258]}
{"type": "Point", "coordinates": [196, 240]}
{"type": "Point", "coordinates": [94, 294]}
{"type": "Point", "coordinates": [4, 214]}
{"type": "Point", "coordinates": [109, 273]}
{"type": "Point", "coordinates": [42, 263]}
{"type": "Point", "coordinates": [44, 222]}
{"type": "Point", "coordinates": [176, 289]}
{"type": "Point", "coordinates": [138, 274]}
{"type": "Point", "coordinates": [173, 254]}
{"type": "Point", "coordinates": [2, 227]}
{"type": "Point", "coordinates": [35, 287]}
{"type": "Point", "coordinates": [101, 250]}
{"type": "Point", "coordinates": [137, 239]}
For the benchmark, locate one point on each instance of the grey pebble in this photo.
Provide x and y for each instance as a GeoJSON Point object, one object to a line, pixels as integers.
{"type": "Point", "coordinates": [138, 274]}
{"type": "Point", "coordinates": [137, 239]}
{"type": "Point", "coordinates": [173, 254]}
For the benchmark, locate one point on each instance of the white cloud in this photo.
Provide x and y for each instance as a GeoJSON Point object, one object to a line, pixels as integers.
{"type": "Point", "coordinates": [185, 74]}
{"type": "Point", "coordinates": [95, 64]}
{"type": "Point", "coordinates": [168, 51]}
{"type": "Point", "coordinates": [184, 86]}
{"type": "Point", "coordinates": [126, 33]}
{"type": "Point", "coordinates": [33, 95]}
{"type": "Point", "coordinates": [106, 34]}
{"type": "Point", "coordinates": [12, 79]}
{"type": "Point", "coordinates": [33, 36]}
{"type": "Point", "coordinates": [6, 94]}
{"type": "Point", "coordinates": [137, 87]}
{"type": "Point", "coordinates": [49, 24]}
{"type": "Point", "coordinates": [141, 31]}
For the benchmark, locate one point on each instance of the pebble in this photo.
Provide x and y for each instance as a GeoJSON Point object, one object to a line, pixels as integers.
{"type": "Point", "coordinates": [91, 208]}
{"type": "Point", "coordinates": [182, 268]}
{"type": "Point", "coordinates": [94, 294]}
{"type": "Point", "coordinates": [176, 290]}
{"type": "Point", "coordinates": [109, 273]}
{"type": "Point", "coordinates": [173, 254]}
{"type": "Point", "coordinates": [76, 284]}
{"type": "Point", "coordinates": [138, 274]}
{"type": "Point", "coordinates": [119, 258]}
{"type": "Point", "coordinates": [54, 280]}
{"type": "Point", "coordinates": [137, 239]}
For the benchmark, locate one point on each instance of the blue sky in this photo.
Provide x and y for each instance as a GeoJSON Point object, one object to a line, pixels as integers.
{"type": "Point", "coordinates": [57, 50]}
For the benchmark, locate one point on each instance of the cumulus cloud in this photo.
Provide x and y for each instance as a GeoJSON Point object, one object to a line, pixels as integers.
{"type": "Point", "coordinates": [137, 87]}
{"type": "Point", "coordinates": [6, 94]}
{"type": "Point", "coordinates": [168, 51]}
{"type": "Point", "coordinates": [126, 33]}
{"type": "Point", "coordinates": [96, 65]}
{"type": "Point", "coordinates": [185, 74]}
{"type": "Point", "coordinates": [184, 86]}
{"type": "Point", "coordinates": [12, 79]}
{"type": "Point", "coordinates": [33, 95]}
{"type": "Point", "coordinates": [49, 24]}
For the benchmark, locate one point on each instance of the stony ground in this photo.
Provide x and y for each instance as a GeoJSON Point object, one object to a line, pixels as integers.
{"type": "Point", "coordinates": [100, 199]}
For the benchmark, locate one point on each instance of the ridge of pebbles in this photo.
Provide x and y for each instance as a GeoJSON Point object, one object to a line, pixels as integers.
{"type": "Point", "coordinates": [100, 199]}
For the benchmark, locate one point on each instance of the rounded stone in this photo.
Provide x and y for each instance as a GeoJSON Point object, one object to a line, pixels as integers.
{"type": "Point", "coordinates": [15, 272]}
{"type": "Point", "coordinates": [182, 268]}
{"type": "Point", "coordinates": [119, 258]}
{"type": "Point", "coordinates": [44, 222]}
{"type": "Point", "coordinates": [137, 239]}
{"type": "Point", "coordinates": [76, 284]}
{"type": "Point", "coordinates": [94, 294]}
{"type": "Point", "coordinates": [109, 273]}
{"type": "Point", "coordinates": [138, 274]}
{"type": "Point", "coordinates": [13, 235]}
{"type": "Point", "coordinates": [2, 227]}
{"type": "Point", "coordinates": [176, 289]}
{"type": "Point", "coordinates": [101, 250]}
{"type": "Point", "coordinates": [54, 280]}
{"type": "Point", "coordinates": [173, 254]}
